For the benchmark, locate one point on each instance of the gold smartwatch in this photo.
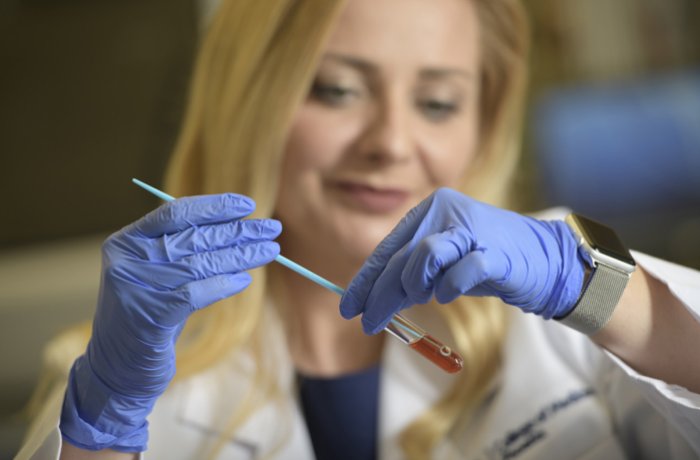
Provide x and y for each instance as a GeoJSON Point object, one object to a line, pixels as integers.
{"type": "Point", "coordinates": [611, 266]}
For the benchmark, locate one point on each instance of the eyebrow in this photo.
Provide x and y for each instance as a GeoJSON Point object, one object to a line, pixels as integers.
{"type": "Point", "coordinates": [359, 64]}
{"type": "Point", "coordinates": [427, 72]}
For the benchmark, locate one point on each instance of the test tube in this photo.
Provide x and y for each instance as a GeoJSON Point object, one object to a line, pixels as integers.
{"type": "Point", "coordinates": [420, 341]}
{"type": "Point", "coordinates": [404, 330]}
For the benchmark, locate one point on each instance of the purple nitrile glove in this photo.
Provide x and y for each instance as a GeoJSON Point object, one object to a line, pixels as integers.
{"type": "Point", "coordinates": [452, 245]}
{"type": "Point", "coordinates": [183, 256]}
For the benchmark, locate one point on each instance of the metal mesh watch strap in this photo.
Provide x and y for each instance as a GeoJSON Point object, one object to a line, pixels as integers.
{"type": "Point", "coordinates": [598, 300]}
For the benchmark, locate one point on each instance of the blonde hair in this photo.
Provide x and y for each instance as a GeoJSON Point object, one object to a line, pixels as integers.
{"type": "Point", "coordinates": [254, 68]}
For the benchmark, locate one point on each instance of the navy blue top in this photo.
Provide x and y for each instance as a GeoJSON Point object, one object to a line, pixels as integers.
{"type": "Point", "coordinates": [341, 414]}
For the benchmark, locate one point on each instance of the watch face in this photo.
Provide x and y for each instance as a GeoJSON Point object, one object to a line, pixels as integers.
{"type": "Point", "coordinates": [603, 239]}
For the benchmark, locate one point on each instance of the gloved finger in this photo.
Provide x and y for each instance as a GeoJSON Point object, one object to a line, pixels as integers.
{"type": "Point", "coordinates": [349, 308]}
{"type": "Point", "coordinates": [470, 275]}
{"type": "Point", "coordinates": [205, 292]}
{"type": "Point", "coordinates": [230, 260]}
{"type": "Point", "coordinates": [431, 257]}
{"type": "Point", "coordinates": [191, 211]}
{"type": "Point", "coordinates": [206, 238]}
{"type": "Point", "coordinates": [355, 296]}
{"type": "Point", "coordinates": [172, 275]}
{"type": "Point", "coordinates": [375, 323]}
{"type": "Point", "coordinates": [172, 310]}
{"type": "Point", "coordinates": [387, 295]}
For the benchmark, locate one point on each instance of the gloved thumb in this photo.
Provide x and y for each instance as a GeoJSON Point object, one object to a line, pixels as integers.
{"type": "Point", "coordinates": [355, 296]}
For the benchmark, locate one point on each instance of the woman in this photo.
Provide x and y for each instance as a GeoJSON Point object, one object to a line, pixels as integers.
{"type": "Point", "coordinates": [339, 119]}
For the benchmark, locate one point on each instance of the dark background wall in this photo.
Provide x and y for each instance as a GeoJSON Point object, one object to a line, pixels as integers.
{"type": "Point", "coordinates": [90, 95]}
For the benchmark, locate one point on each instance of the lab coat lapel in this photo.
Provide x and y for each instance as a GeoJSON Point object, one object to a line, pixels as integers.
{"type": "Point", "coordinates": [211, 398]}
{"type": "Point", "coordinates": [410, 384]}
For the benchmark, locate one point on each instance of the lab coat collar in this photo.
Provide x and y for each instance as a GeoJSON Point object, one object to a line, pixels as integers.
{"type": "Point", "coordinates": [409, 386]}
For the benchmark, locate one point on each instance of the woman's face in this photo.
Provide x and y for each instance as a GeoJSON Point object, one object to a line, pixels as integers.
{"type": "Point", "coordinates": [391, 116]}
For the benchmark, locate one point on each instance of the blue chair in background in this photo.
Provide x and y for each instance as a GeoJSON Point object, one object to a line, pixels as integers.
{"type": "Point", "coordinates": [627, 154]}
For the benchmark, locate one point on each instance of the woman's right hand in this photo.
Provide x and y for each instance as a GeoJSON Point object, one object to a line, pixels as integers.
{"type": "Point", "coordinates": [183, 256]}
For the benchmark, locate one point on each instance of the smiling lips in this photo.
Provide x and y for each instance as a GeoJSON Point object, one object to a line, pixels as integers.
{"type": "Point", "coordinates": [372, 199]}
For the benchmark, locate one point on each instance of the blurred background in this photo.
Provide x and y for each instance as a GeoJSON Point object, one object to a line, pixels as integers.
{"type": "Point", "coordinates": [91, 95]}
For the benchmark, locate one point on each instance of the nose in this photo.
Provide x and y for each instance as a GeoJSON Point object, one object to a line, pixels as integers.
{"type": "Point", "coordinates": [387, 137]}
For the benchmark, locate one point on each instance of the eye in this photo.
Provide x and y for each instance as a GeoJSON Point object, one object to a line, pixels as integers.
{"type": "Point", "coordinates": [332, 94]}
{"type": "Point", "coordinates": [437, 110]}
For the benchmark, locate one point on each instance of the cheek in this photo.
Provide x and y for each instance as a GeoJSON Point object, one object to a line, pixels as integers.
{"type": "Point", "coordinates": [317, 140]}
{"type": "Point", "coordinates": [306, 145]}
{"type": "Point", "coordinates": [314, 150]}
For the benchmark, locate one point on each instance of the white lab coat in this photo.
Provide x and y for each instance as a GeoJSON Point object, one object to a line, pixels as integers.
{"type": "Point", "coordinates": [559, 396]}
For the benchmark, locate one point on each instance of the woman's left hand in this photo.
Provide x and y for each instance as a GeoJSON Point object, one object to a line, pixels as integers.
{"type": "Point", "coordinates": [451, 245]}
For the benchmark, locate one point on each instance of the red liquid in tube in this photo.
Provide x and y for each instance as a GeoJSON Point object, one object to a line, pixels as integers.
{"type": "Point", "coordinates": [441, 355]}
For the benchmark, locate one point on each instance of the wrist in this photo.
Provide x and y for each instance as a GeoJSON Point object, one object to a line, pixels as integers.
{"type": "Point", "coordinates": [610, 265]}
{"type": "Point", "coordinates": [94, 417]}
{"type": "Point", "coordinates": [569, 267]}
